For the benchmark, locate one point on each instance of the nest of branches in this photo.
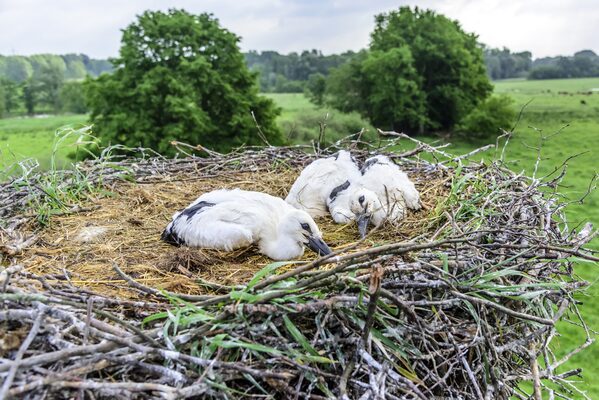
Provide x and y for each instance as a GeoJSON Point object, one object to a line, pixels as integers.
{"type": "Point", "coordinates": [464, 301]}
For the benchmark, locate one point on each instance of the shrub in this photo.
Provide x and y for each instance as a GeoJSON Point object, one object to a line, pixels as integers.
{"type": "Point", "coordinates": [486, 119]}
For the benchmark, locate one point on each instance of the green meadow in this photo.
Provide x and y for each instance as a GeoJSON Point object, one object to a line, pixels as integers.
{"type": "Point", "coordinates": [562, 114]}
{"type": "Point", "coordinates": [26, 137]}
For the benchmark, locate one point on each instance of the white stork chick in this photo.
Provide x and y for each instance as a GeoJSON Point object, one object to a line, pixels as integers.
{"type": "Point", "coordinates": [382, 193]}
{"type": "Point", "coordinates": [312, 188]}
{"type": "Point", "coordinates": [230, 219]}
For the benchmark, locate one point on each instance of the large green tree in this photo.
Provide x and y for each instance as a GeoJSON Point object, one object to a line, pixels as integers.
{"type": "Point", "coordinates": [180, 77]}
{"type": "Point", "coordinates": [422, 71]}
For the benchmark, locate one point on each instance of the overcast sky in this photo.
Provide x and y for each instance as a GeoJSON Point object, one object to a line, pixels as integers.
{"type": "Point", "coordinates": [545, 27]}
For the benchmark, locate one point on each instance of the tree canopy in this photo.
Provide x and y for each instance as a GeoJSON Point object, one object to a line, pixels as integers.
{"type": "Point", "coordinates": [422, 71]}
{"type": "Point", "coordinates": [181, 77]}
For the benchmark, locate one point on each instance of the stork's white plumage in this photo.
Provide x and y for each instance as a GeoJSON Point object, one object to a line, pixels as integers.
{"type": "Point", "coordinates": [313, 187]}
{"type": "Point", "coordinates": [230, 219]}
{"type": "Point", "coordinates": [381, 193]}
{"type": "Point", "coordinates": [349, 201]}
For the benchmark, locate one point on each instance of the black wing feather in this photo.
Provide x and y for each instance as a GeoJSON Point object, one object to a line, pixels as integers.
{"type": "Point", "coordinates": [171, 237]}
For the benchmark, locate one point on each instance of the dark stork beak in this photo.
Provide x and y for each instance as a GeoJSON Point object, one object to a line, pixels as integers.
{"type": "Point", "coordinates": [318, 246]}
{"type": "Point", "coordinates": [363, 221]}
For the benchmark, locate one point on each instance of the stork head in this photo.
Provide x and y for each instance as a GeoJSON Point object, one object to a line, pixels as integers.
{"type": "Point", "coordinates": [300, 228]}
{"type": "Point", "coordinates": [366, 206]}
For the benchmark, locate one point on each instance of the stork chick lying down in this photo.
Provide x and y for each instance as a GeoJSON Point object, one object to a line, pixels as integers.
{"type": "Point", "coordinates": [230, 219]}
{"type": "Point", "coordinates": [314, 185]}
{"type": "Point", "coordinates": [382, 193]}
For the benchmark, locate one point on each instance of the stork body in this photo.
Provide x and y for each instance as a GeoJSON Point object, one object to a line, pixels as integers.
{"type": "Point", "coordinates": [230, 219]}
{"type": "Point", "coordinates": [381, 175]}
{"type": "Point", "coordinates": [316, 182]}
{"type": "Point", "coordinates": [381, 193]}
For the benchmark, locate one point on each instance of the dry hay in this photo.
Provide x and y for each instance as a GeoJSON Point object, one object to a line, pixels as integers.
{"type": "Point", "coordinates": [124, 228]}
{"type": "Point", "coordinates": [461, 301]}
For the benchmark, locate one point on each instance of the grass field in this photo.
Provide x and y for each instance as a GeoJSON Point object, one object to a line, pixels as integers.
{"type": "Point", "coordinates": [552, 106]}
{"type": "Point", "coordinates": [24, 137]}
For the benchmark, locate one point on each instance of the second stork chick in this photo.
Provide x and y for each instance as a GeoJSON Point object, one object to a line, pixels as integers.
{"type": "Point", "coordinates": [313, 187]}
{"type": "Point", "coordinates": [382, 193]}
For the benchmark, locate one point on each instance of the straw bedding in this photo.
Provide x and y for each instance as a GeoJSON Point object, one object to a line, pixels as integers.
{"type": "Point", "coordinates": [124, 227]}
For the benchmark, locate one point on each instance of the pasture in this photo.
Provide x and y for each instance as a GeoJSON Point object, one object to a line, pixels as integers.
{"type": "Point", "coordinates": [25, 137]}
{"type": "Point", "coordinates": [565, 112]}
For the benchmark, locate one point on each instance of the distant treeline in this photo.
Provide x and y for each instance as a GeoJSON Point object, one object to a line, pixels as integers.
{"type": "Point", "coordinates": [71, 66]}
{"type": "Point", "coordinates": [502, 64]}
{"type": "Point", "coordinates": [51, 83]}
{"type": "Point", "coordinates": [282, 73]}
{"type": "Point", "coordinates": [291, 72]}
{"type": "Point", "coordinates": [46, 82]}
{"type": "Point", "coordinates": [583, 64]}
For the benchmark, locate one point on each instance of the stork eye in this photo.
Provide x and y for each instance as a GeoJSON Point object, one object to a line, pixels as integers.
{"type": "Point", "coordinates": [361, 199]}
{"type": "Point", "coordinates": [306, 227]}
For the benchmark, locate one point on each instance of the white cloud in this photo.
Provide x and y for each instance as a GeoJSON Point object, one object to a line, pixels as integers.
{"type": "Point", "coordinates": [546, 27]}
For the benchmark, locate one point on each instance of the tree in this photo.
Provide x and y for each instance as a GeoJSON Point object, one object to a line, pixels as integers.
{"type": "Point", "coordinates": [2, 105]}
{"type": "Point", "coordinates": [584, 63]}
{"type": "Point", "coordinates": [294, 67]}
{"type": "Point", "coordinates": [49, 80]}
{"type": "Point", "coordinates": [395, 99]}
{"type": "Point", "coordinates": [448, 60]}
{"type": "Point", "coordinates": [315, 88]}
{"type": "Point", "coordinates": [181, 77]}
{"type": "Point", "coordinates": [29, 90]}
{"type": "Point", "coordinates": [72, 98]}
{"type": "Point", "coordinates": [439, 77]}
{"type": "Point", "coordinates": [10, 96]}
{"type": "Point", "coordinates": [502, 64]}
{"type": "Point", "coordinates": [346, 86]}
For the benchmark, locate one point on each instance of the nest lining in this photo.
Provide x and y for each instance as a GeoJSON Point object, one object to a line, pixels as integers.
{"type": "Point", "coordinates": [124, 228]}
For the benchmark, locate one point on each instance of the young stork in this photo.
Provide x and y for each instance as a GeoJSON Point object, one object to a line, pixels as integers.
{"type": "Point", "coordinates": [313, 187]}
{"type": "Point", "coordinates": [382, 193]}
{"type": "Point", "coordinates": [230, 219]}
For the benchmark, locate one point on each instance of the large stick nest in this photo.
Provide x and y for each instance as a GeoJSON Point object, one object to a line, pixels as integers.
{"type": "Point", "coordinates": [459, 301]}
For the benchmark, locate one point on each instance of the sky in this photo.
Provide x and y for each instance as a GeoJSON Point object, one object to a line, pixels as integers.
{"type": "Point", "coordinates": [544, 27]}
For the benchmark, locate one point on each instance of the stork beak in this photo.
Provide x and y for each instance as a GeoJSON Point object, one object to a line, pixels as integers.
{"type": "Point", "coordinates": [363, 221]}
{"type": "Point", "coordinates": [318, 246]}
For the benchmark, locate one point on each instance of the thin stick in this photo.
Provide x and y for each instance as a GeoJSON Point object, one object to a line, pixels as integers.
{"type": "Point", "coordinates": [21, 352]}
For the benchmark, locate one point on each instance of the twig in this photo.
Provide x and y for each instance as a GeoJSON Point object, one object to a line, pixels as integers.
{"type": "Point", "coordinates": [19, 356]}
